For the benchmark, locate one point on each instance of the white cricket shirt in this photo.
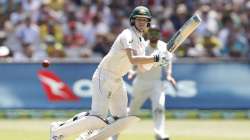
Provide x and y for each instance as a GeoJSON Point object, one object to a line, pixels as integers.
{"type": "Point", "coordinates": [117, 61]}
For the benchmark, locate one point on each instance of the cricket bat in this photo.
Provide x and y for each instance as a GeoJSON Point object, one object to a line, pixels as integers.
{"type": "Point", "coordinates": [187, 28]}
{"type": "Point", "coordinates": [179, 37]}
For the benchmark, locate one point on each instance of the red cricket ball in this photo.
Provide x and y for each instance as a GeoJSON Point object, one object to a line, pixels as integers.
{"type": "Point", "coordinates": [45, 63]}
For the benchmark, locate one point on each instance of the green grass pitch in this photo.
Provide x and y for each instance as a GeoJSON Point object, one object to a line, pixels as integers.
{"type": "Point", "coordinates": [38, 129]}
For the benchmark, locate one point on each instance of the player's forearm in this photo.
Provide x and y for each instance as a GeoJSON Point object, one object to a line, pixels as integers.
{"type": "Point", "coordinates": [142, 59]}
{"type": "Point", "coordinates": [136, 59]}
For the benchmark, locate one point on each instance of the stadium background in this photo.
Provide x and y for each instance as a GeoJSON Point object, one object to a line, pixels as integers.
{"type": "Point", "coordinates": [76, 34]}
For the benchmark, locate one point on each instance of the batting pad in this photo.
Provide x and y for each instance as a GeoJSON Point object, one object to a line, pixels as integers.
{"type": "Point", "coordinates": [114, 128]}
{"type": "Point", "coordinates": [83, 124]}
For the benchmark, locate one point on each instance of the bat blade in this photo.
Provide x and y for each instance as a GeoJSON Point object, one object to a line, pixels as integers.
{"type": "Point", "coordinates": [188, 27]}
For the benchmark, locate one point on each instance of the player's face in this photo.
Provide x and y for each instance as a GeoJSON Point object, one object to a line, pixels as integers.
{"type": "Point", "coordinates": [154, 35]}
{"type": "Point", "coordinates": [141, 23]}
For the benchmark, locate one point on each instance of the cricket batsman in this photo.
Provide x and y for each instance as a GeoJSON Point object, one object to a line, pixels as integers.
{"type": "Point", "coordinates": [109, 94]}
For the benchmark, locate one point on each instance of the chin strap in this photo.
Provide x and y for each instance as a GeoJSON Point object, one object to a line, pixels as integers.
{"type": "Point", "coordinates": [137, 29]}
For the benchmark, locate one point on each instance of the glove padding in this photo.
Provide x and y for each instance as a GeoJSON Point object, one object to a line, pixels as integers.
{"type": "Point", "coordinates": [164, 58]}
{"type": "Point", "coordinates": [161, 59]}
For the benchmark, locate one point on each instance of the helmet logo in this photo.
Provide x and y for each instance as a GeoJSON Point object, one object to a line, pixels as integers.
{"type": "Point", "coordinates": [142, 11]}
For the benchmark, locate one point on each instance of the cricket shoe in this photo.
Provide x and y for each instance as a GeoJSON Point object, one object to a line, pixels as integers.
{"type": "Point", "coordinates": [53, 126]}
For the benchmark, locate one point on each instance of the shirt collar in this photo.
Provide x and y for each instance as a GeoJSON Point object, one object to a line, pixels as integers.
{"type": "Point", "coordinates": [136, 31]}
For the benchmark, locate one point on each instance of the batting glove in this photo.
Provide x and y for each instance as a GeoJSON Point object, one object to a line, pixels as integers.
{"type": "Point", "coordinates": [163, 59]}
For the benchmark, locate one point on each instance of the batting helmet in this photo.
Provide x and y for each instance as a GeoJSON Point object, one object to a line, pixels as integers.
{"type": "Point", "coordinates": [140, 11]}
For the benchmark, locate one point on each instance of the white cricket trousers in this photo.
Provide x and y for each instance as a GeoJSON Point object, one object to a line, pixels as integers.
{"type": "Point", "coordinates": [152, 89]}
{"type": "Point", "coordinates": [109, 94]}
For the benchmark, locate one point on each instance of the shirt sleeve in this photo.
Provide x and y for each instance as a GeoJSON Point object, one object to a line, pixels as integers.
{"type": "Point", "coordinates": [126, 39]}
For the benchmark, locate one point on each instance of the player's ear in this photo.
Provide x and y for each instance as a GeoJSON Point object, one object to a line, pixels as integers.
{"type": "Point", "coordinates": [132, 22]}
{"type": "Point", "coordinates": [148, 25]}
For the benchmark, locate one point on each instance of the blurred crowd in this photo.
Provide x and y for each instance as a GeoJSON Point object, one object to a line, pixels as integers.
{"type": "Point", "coordinates": [73, 29]}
